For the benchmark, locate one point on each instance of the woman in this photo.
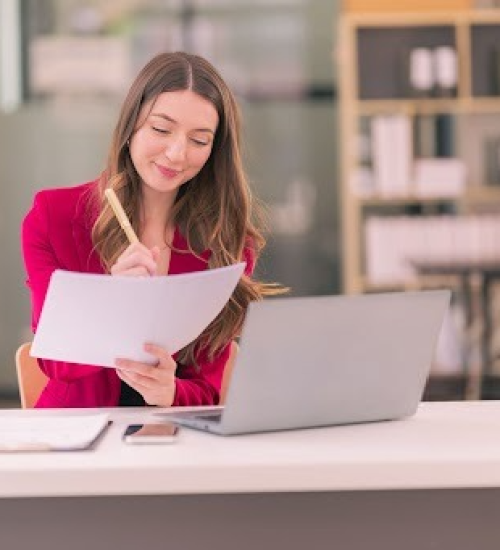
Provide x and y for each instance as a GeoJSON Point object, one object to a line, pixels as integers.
{"type": "Point", "coordinates": [175, 164]}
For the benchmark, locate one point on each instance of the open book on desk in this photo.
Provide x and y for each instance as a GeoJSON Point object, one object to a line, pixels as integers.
{"type": "Point", "coordinates": [93, 319]}
{"type": "Point", "coordinates": [51, 433]}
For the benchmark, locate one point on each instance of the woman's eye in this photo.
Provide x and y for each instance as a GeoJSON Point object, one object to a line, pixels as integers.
{"type": "Point", "coordinates": [160, 130]}
{"type": "Point", "coordinates": [199, 142]}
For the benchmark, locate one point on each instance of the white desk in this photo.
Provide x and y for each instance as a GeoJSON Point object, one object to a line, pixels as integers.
{"type": "Point", "coordinates": [430, 482]}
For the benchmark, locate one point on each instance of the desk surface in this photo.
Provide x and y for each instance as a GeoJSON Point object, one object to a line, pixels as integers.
{"type": "Point", "coordinates": [446, 445]}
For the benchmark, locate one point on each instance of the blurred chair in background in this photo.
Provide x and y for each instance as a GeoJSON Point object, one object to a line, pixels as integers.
{"type": "Point", "coordinates": [30, 378]}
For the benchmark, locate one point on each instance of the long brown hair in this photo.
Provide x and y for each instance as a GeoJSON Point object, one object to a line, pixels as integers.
{"type": "Point", "coordinates": [215, 210]}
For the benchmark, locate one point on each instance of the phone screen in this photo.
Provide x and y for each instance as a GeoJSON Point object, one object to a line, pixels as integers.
{"type": "Point", "coordinates": [151, 433]}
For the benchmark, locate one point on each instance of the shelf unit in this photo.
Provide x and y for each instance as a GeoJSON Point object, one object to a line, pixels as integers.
{"type": "Point", "coordinates": [470, 33]}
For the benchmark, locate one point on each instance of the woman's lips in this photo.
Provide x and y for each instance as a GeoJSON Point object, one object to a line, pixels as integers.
{"type": "Point", "coordinates": [167, 172]}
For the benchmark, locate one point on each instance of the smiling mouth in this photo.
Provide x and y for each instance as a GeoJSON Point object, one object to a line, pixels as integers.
{"type": "Point", "coordinates": [167, 172]}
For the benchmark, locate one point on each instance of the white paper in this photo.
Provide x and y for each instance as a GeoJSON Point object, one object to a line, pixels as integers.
{"type": "Point", "coordinates": [50, 433]}
{"type": "Point", "coordinates": [94, 319]}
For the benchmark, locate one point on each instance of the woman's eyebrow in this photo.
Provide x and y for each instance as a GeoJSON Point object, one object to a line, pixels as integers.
{"type": "Point", "coordinates": [169, 119]}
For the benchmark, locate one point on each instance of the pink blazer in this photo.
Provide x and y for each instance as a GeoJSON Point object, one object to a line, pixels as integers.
{"type": "Point", "coordinates": [56, 234]}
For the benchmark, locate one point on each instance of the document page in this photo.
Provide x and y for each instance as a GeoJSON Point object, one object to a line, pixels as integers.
{"type": "Point", "coordinates": [93, 319]}
{"type": "Point", "coordinates": [50, 433]}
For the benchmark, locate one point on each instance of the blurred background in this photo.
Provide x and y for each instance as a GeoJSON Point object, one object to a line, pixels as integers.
{"type": "Point", "coordinates": [370, 131]}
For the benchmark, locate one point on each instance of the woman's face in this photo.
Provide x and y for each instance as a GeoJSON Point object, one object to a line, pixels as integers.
{"type": "Point", "coordinates": [173, 139]}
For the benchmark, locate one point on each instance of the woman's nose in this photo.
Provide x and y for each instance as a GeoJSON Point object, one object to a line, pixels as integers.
{"type": "Point", "coordinates": [176, 149]}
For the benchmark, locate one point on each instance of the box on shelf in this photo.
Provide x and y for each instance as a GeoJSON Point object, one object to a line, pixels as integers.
{"type": "Point", "coordinates": [371, 6]}
{"type": "Point", "coordinates": [440, 177]}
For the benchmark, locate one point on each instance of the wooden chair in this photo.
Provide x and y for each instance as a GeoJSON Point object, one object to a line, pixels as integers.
{"type": "Point", "coordinates": [30, 378]}
{"type": "Point", "coordinates": [228, 371]}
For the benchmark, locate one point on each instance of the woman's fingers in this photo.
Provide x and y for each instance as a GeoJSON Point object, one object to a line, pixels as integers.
{"type": "Point", "coordinates": [132, 272]}
{"type": "Point", "coordinates": [165, 360]}
{"type": "Point", "coordinates": [165, 367]}
{"type": "Point", "coordinates": [156, 383]}
{"type": "Point", "coordinates": [155, 253]}
{"type": "Point", "coordinates": [142, 369]}
{"type": "Point", "coordinates": [137, 380]}
{"type": "Point", "coordinates": [136, 259]}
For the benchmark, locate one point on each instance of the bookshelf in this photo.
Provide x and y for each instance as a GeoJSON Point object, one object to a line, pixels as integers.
{"type": "Point", "coordinates": [375, 52]}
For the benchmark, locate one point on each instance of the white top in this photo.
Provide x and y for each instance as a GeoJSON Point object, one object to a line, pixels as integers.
{"type": "Point", "coordinates": [446, 445]}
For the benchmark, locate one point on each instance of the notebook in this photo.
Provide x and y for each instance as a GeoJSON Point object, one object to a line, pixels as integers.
{"type": "Point", "coordinates": [320, 361]}
{"type": "Point", "coordinates": [51, 433]}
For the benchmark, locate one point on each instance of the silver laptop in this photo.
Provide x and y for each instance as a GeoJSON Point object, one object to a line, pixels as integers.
{"type": "Point", "coordinates": [320, 361]}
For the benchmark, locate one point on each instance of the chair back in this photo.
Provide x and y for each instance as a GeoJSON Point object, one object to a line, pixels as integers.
{"type": "Point", "coordinates": [30, 378]}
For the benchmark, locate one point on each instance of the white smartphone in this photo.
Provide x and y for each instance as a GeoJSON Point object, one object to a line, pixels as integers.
{"type": "Point", "coordinates": [165, 432]}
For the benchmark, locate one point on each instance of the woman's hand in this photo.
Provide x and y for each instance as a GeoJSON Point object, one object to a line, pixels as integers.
{"type": "Point", "coordinates": [156, 383]}
{"type": "Point", "coordinates": [136, 260]}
